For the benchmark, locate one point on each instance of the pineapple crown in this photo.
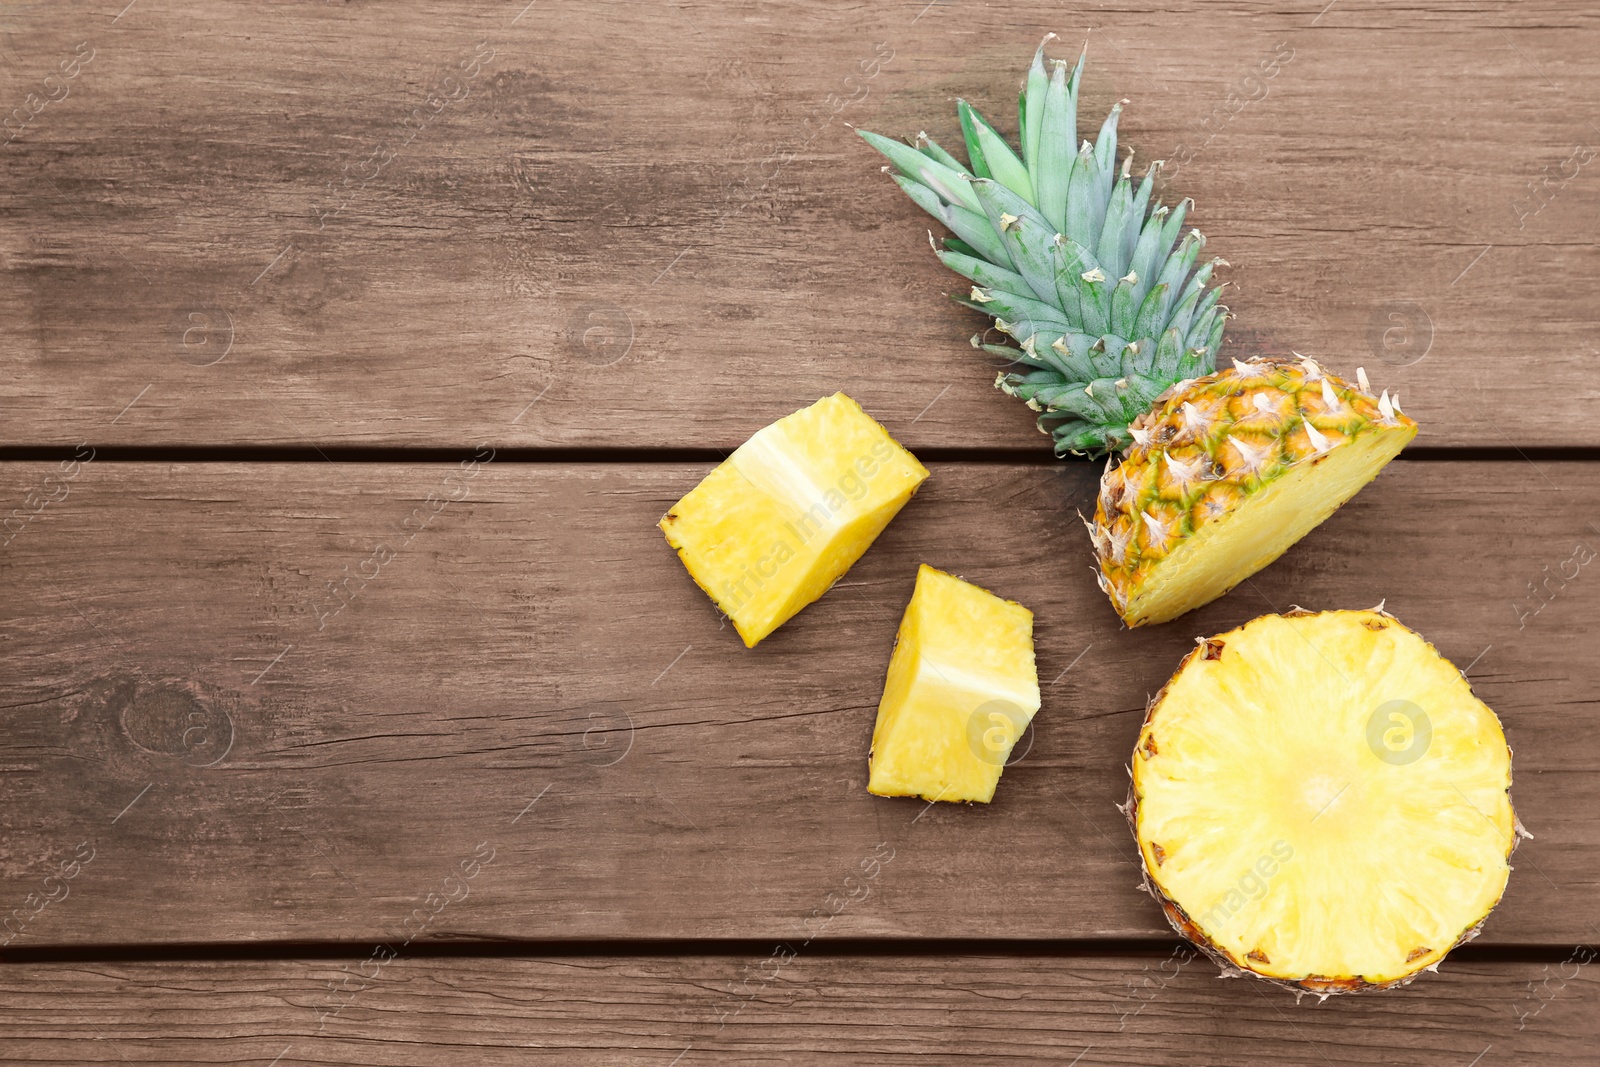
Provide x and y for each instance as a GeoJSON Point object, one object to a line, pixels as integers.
{"type": "Point", "coordinates": [1075, 264]}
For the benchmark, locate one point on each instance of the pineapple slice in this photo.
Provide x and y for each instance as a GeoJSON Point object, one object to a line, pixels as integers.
{"type": "Point", "coordinates": [961, 689]}
{"type": "Point", "coordinates": [785, 516]}
{"type": "Point", "coordinates": [1320, 799]}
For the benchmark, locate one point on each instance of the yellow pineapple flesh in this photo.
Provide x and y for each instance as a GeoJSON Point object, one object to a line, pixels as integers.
{"type": "Point", "coordinates": [1320, 799]}
{"type": "Point", "coordinates": [783, 518]}
{"type": "Point", "coordinates": [1227, 472]}
{"type": "Point", "coordinates": [962, 687]}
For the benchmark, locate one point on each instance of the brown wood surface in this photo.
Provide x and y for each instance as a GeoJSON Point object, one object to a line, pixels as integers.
{"type": "Point", "coordinates": [257, 712]}
{"type": "Point", "coordinates": [656, 215]}
{"type": "Point", "coordinates": [653, 1012]}
{"type": "Point", "coordinates": [242, 775]}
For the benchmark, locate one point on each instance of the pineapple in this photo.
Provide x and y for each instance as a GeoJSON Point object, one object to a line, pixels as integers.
{"type": "Point", "coordinates": [1321, 800]}
{"type": "Point", "coordinates": [1116, 332]}
{"type": "Point", "coordinates": [1273, 447]}
{"type": "Point", "coordinates": [962, 687]}
{"type": "Point", "coordinates": [783, 518]}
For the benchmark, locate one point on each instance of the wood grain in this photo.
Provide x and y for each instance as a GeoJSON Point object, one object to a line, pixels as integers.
{"type": "Point", "coordinates": [656, 217]}
{"type": "Point", "coordinates": [808, 1009]}
{"type": "Point", "coordinates": [256, 744]}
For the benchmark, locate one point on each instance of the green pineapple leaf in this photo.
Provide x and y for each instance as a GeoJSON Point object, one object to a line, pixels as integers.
{"type": "Point", "coordinates": [1097, 284]}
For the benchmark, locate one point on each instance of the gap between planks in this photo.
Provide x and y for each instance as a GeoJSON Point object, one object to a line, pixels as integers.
{"type": "Point", "coordinates": [696, 948]}
{"type": "Point", "coordinates": [536, 455]}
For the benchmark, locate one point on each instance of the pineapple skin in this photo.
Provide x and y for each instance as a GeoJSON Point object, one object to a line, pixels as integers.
{"type": "Point", "coordinates": [1279, 441]}
{"type": "Point", "coordinates": [962, 687]}
{"type": "Point", "coordinates": [786, 515]}
{"type": "Point", "coordinates": [1152, 856]}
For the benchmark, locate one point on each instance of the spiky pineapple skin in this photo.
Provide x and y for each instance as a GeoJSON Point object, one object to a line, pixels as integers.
{"type": "Point", "coordinates": [1322, 986]}
{"type": "Point", "coordinates": [1207, 446]}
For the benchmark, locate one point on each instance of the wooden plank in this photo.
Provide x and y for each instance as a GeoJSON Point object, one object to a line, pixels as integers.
{"type": "Point", "coordinates": [657, 218]}
{"type": "Point", "coordinates": [256, 744]}
{"type": "Point", "coordinates": [804, 1009]}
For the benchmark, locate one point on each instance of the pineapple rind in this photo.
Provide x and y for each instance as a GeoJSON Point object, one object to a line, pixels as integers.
{"type": "Point", "coordinates": [961, 653]}
{"type": "Point", "coordinates": [1229, 472]}
{"type": "Point", "coordinates": [783, 518]}
{"type": "Point", "coordinates": [1465, 732]}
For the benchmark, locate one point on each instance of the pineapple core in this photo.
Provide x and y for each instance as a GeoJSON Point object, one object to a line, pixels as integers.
{"type": "Point", "coordinates": [961, 689]}
{"type": "Point", "coordinates": [785, 516]}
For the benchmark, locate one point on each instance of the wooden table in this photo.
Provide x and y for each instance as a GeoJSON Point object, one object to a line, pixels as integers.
{"type": "Point", "coordinates": [353, 709]}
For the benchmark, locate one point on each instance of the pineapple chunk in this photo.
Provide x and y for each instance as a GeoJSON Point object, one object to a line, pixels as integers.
{"type": "Point", "coordinates": [782, 519]}
{"type": "Point", "coordinates": [962, 688]}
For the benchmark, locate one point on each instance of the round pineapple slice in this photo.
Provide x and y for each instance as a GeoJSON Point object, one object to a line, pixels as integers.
{"type": "Point", "coordinates": [1320, 799]}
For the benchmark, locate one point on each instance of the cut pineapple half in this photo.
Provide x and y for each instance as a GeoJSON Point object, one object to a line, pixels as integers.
{"type": "Point", "coordinates": [1227, 472]}
{"type": "Point", "coordinates": [784, 517]}
{"type": "Point", "coordinates": [962, 687]}
{"type": "Point", "coordinates": [1320, 799]}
